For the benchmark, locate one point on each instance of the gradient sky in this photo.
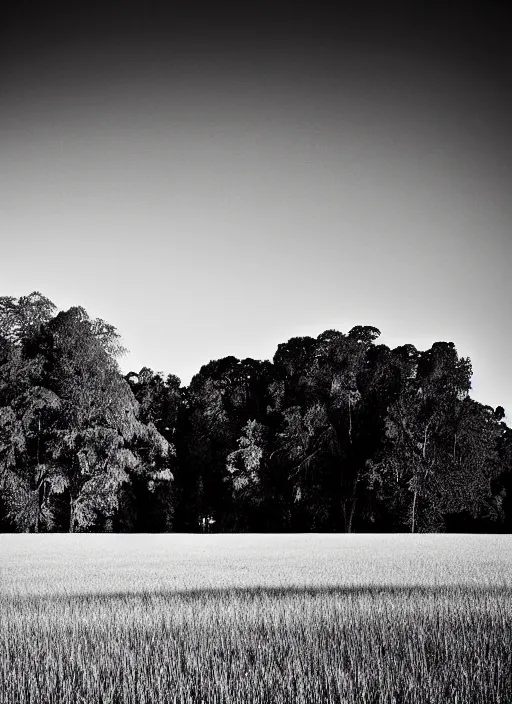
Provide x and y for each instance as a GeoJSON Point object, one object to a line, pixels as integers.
{"type": "Point", "coordinates": [216, 188]}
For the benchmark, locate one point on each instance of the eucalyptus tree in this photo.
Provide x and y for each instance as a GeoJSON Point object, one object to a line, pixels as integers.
{"type": "Point", "coordinates": [29, 475]}
{"type": "Point", "coordinates": [248, 479]}
{"type": "Point", "coordinates": [101, 441]}
{"type": "Point", "coordinates": [471, 480]}
{"type": "Point", "coordinates": [502, 488]}
{"type": "Point", "coordinates": [222, 398]}
{"type": "Point", "coordinates": [28, 411]}
{"type": "Point", "coordinates": [68, 422]}
{"type": "Point", "coordinates": [324, 433]}
{"type": "Point", "coordinates": [417, 424]}
{"type": "Point", "coordinates": [150, 506]}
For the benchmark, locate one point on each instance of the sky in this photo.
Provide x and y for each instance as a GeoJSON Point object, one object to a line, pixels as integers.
{"type": "Point", "coordinates": [214, 184]}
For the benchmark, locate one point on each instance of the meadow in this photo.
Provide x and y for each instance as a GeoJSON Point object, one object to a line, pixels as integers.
{"type": "Point", "coordinates": [97, 619]}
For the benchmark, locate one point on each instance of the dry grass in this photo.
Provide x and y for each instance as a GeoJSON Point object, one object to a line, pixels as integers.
{"type": "Point", "coordinates": [315, 618]}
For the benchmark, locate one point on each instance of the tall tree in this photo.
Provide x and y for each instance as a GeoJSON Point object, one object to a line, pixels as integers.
{"type": "Point", "coordinates": [151, 506]}
{"type": "Point", "coordinates": [324, 434]}
{"type": "Point", "coordinates": [416, 424]}
{"type": "Point", "coordinates": [28, 475]}
{"type": "Point", "coordinates": [246, 467]}
{"type": "Point", "coordinates": [72, 425]}
{"type": "Point", "coordinates": [101, 441]}
{"type": "Point", "coordinates": [221, 399]}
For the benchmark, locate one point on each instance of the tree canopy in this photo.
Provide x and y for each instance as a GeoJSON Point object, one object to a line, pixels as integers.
{"type": "Point", "coordinates": [336, 433]}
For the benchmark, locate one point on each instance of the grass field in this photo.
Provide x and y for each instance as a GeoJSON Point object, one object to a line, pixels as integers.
{"type": "Point", "coordinates": [256, 618]}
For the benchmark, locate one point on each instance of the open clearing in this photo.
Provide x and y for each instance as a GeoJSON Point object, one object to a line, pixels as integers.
{"type": "Point", "coordinates": [255, 618]}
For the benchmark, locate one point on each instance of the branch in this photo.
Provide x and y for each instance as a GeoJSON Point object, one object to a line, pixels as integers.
{"type": "Point", "coordinates": [300, 466]}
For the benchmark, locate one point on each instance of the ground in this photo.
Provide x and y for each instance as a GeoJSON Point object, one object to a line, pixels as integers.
{"type": "Point", "coordinates": [255, 618]}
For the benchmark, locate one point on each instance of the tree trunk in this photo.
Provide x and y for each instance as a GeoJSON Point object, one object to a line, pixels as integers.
{"type": "Point", "coordinates": [349, 508]}
{"type": "Point", "coordinates": [72, 516]}
{"type": "Point", "coordinates": [349, 420]}
{"type": "Point", "coordinates": [351, 514]}
{"type": "Point", "coordinates": [40, 501]}
{"type": "Point", "coordinates": [413, 522]}
{"type": "Point", "coordinates": [424, 449]}
{"type": "Point", "coordinates": [424, 455]}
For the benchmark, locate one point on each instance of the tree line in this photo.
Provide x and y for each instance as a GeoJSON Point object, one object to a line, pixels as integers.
{"type": "Point", "coordinates": [336, 434]}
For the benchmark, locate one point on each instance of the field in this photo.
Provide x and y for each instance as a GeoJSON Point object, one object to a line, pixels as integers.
{"type": "Point", "coordinates": [99, 619]}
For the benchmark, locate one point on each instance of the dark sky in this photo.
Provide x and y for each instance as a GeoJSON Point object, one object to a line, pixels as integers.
{"type": "Point", "coordinates": [213, 182]}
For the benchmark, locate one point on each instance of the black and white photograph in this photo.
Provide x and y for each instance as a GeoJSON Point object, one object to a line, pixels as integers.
{"type": "Point", "coordinates": [255, 353]}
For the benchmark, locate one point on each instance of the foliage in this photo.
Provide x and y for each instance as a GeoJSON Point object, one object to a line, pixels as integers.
{"type": "Point", "coordinates": [337, 433]}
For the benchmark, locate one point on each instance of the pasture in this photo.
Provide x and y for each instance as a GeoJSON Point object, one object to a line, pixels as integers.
{"type": "Point", "coordinates": [97, 619]}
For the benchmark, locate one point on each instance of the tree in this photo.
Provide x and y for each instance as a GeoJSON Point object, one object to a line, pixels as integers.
{"type": "Point", "coordinates": [416, 425]}
{"type": "Point", "coordinates": [28, 475]}
{"type": "Point", "coordinates": [152, 505]}
{"type": "Point", "coordinates": [246, 476]}
{"type": "Point", "coordinates": [323, 433]}
{"type": "Point", "coordinates": [220, 400]}
{"type": "Point", "coordinates": [102, 443]}
{"type": "Point", "coordinates": [74, 429]}
{"type": "Point", "coordinates": [472, 464]}
{"type": "Point", "coordinates": [20, 318]}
